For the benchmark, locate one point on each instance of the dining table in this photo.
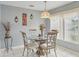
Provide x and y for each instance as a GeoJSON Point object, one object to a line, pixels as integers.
{"type": "Point", "coordinates": [40, 51]}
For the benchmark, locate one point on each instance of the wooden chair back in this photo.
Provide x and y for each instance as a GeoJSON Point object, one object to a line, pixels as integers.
{"type": "Point", "coordinates": [24, 37]}
{"type": "Point", "coordinates": [52, 36]}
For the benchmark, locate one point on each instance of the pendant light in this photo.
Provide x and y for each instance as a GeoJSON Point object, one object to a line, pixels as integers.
{"type": "Point", "coordinates": [45, 13]}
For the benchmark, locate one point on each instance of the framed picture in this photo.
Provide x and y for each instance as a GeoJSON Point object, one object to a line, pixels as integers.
{"type": "Point", "coordinates": [24, 19]}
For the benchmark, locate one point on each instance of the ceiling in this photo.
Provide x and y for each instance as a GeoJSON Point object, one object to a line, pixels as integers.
{"type": "Point", "coordinates": [38, 5]}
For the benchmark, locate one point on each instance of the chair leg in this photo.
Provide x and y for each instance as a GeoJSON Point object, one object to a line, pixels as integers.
{"type": "Point", "coordinates": [47, 53]}
{"type": "Point", "coordinates": [11, 43]}
{"type": "Point", "coordinates": [23, 51]}
{"type": "Point", "coordinates": [55, 52]}
{"type": "Point", "coordinates": [32, 50]}
{"type": "Point", "coordinates": [27, 51]}
{"type": "Point", "coordinates": [49, 50]}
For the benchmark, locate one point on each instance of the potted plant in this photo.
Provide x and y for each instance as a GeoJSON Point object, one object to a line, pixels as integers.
{"type": "Point", "coordinates": [42, 27]}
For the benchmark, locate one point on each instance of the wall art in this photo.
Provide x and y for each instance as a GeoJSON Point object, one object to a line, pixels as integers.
{"type": "Point", "coordinates": [31, 16]}
{"type": "Point", "coordinates": [16, 19]}
{"type": "Point", "coordinates": [24, 19]}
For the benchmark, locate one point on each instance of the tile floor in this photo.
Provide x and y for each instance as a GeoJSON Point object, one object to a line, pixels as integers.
{"type": "Point", "coordinates": [17, 52]}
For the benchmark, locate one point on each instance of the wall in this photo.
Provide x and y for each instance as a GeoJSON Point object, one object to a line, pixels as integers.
{"type": "Point", "coordinates": [8, 14]}
{"type": "Point", "coordinates": [0, 12]}
{"type": "Point", "coordinates": [0, 24]}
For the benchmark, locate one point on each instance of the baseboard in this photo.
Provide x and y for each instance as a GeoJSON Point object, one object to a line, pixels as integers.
{"type": "Point", "coordinates": [15, 47]}
{"type": "Point", "coordinates": [20, 46]}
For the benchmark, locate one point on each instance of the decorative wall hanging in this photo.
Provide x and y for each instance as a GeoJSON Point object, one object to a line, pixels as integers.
{"type": "Point", "coordinates": [31, 16]}
{"type": "Point", "coordinates": [24, 19]}
{"type": "Point", "coordinates": [7, 36]}
{"type": "Point", "coordinates": [16, 19]}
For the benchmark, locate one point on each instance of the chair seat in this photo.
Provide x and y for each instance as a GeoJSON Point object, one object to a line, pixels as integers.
{"type": "Point", "coordinates": [31, 45]}
{"type": "Point", "coordinates": [49, 46]}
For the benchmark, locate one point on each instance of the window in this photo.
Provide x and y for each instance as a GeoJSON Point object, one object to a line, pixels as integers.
{"type": "Point", "coordinates": [67, 26]}
{"type": "Point", "coordinates": [71, 26]}
{"type": "Point", "coordinates": [56, 23]}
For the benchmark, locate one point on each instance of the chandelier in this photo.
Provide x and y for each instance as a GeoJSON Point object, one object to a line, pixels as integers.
{"type": "Point", "coordinates": [45, 13]}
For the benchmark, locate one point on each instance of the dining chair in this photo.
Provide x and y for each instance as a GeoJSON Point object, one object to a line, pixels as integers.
{"type": "Point", "coordinates": [27, 45]}
{"type": "Point", "coordinates": [51, 42]}
{"type": "Point", "coordinates": [33, 33]}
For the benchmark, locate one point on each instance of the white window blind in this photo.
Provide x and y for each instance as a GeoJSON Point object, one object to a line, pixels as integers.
{"type": "Point", "coordinates": [67, 26]}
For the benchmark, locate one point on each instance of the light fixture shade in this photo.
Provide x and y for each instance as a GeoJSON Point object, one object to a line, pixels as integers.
{"type": "Point", "coordinates": [45, 14]}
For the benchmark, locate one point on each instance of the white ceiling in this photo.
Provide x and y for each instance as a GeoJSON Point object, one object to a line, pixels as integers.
{"type": "Point", "coordinates": [38, 5]}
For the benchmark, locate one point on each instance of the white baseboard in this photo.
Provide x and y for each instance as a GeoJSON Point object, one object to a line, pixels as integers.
{"type": "Point", "coordinates": [20, 46]}
{"type": "Point", "coordinates": [15, 47]}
